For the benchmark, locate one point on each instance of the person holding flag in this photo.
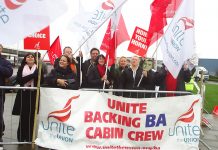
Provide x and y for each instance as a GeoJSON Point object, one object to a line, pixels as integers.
{"type": "Point", "coordinates": [98, 74]}
{"type": "Point", "coordinates": [135, 78]}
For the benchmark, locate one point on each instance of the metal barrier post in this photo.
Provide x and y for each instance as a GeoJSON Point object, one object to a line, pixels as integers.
{"type": "Point", "coordinates": [37, 103]}
{"type": "Point", "coordinates": [12, 88]}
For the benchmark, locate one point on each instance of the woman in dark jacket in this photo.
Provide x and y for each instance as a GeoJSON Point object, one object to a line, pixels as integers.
{"type": "Point", "coordinates": [97, 75]}
{"type": "Point", "coordinates": [62, 76]}
{"type": "Point", "coordinates": [116, 71]}
{"type": "Point", "coordinates": [27, 76]}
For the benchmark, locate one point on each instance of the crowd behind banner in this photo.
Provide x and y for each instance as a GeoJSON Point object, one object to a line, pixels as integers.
{"type": "Point", "coordinates": [75, 73]}
{"type": "Point", "coordinates": [134, 74]}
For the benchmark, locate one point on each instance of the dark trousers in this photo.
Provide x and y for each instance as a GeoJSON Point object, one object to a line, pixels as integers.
{"type": "Point", "coordinates": [25, 128]}
{"type": "Point", "coordinates": [2, 125]}
{"type": "Point", "coordinates": [26, 109]}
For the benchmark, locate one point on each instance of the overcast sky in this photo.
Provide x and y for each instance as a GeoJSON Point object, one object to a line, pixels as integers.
{"type": "Point", "coordinates": [137, 13]}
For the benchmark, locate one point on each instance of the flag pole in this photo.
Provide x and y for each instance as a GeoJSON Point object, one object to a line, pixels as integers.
{"type": "Point", "coordinates": [37, 95]}
{"type": "Point", "coordinates": [44, 55]}
{"type": "Point", "coordinates": [37, 98]}
{"type": "Point", "coordinates": [37, 57]}
{"type": "Point", "coordinates": [156, 55]}
{"type": "Point", "coordinates": [100, 25]}
{"type": "Point", "coordinates": [80, 69]}
{"type": "Point", "coordinates": [106, 70]}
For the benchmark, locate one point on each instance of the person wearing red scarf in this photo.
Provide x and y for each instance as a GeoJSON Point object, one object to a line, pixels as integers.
{"type": "Point", "coordinates": [97, 75]}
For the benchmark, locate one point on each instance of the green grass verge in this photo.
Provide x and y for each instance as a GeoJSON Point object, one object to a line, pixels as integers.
{"type": "Point", "coordinates": [211, 96]}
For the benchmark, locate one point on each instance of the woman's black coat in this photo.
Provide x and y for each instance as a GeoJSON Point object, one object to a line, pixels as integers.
{"type": "Point", "coordinates": [60, 73]}
{"type": "Point", "coordinates": [94, 79]}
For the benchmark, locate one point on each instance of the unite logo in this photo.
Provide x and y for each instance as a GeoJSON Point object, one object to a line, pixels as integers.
{"type": "Point", "coordinates": [186, 133]}
{"type": "Point", "coordinates": [14, 4]}
{"type": "Point", "coordinates": [63, 114]}
{"type": "Point", "coordinates": [58, 130]}
{"type": "Point", "coordinates": [179, 30]}
{"type": "Point", "coordinates": [188, 23]}
{"type": "Point", "coordinates": [108, 5]}
{"type": "Point", "coordinates": [188, 116]}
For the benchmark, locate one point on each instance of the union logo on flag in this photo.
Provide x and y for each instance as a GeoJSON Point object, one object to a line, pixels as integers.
{"type": "Point", "coordinates": [14, 4]}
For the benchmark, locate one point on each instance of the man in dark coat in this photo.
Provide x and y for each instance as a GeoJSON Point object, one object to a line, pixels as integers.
{"type": "Point", "coordinates": [6, 71]}
{"type": "Point", "coordinates": [135, 78]}
{"type": "Point", "coordinates": [88, 65]}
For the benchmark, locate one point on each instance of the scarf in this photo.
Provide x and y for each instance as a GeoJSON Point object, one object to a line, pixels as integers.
{"type": "Point", "coordinates": [101, 70]}
{"type": "Point", "coordinates": [170, 84]}
{"type": "Point", "coordinates": [73, 68]}
{"type": "Point", "coordinates": [27, 71]}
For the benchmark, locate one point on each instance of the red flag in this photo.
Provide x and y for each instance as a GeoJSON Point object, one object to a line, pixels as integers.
{"type": "Point", "coordinates": [172, 7]}
{"type": "Point", "coordinates": [158, 20]}
{"type": "Point", "coordinates": [40, 39]}
{"type": "Point", "coordinates": [55, 50]}
{"type": "Point", "coordinates": [160, 9]}
{"type": "Point", "coordinates": [137, 44]}
{"type": "Point", "coordinates": [112, 38]}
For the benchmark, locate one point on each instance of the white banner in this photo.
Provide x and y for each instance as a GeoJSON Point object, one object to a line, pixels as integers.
{"type": "Point", "coordinates": [20, 18]}
{"type": "Point", "coordinates": [178, 43]}
{"type": "Point", "coordinates": [86, 23]}
{"type": "Point", "coordinates": [93, 120]}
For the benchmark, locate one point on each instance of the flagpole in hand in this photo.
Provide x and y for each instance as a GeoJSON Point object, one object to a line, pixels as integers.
{"type": "Point", "coordinates": [106, 70]}
{"type": "Point", "coordinates": [80, 66]}
{"type": "Point", "coordinates": [142, 77]}
{"type": "Point", "coordinates": [140, 80]}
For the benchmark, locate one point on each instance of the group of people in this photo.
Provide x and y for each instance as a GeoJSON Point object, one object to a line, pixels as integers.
{"type": "Point", "coordinates": [69, 73]}
{"type": "Point", "coordinates": [73, 73]}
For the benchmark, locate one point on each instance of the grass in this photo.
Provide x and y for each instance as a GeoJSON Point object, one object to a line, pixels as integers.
{"type": "Point", "coordinates": [211, 96]}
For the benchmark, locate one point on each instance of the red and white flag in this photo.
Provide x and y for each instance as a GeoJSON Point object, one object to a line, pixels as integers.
{"type": "Point", "coordinates": [55, 50]}
{"type": "Point", "coordinates": [137, 44]}
{"type": "Point", "coordinates": [40, 40]}
{"type": "Point", "coordinates": [116, 33]}
{"type": "Point", "coordinates": [178, 43]}
{"type": "Point", "coordinates": [20, 18]}
{"type": "Point", "coordinates": [86, 24]}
